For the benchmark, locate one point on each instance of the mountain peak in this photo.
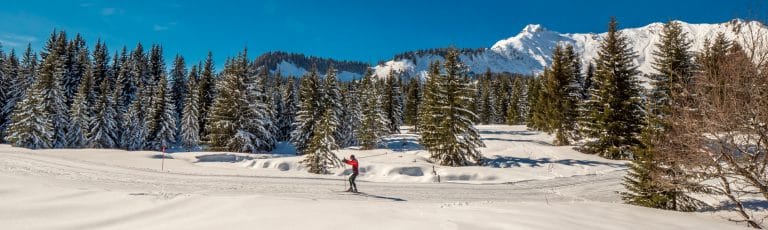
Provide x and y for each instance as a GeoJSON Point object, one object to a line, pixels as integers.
{"type": "Point", "coordinates": [533, 28]}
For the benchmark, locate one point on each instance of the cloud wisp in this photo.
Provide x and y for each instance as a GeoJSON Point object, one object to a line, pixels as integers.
{"type": "Point", "coordinates": [16, 40]}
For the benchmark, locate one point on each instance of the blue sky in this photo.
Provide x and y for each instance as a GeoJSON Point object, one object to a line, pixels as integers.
{"type": "Point", "coordinates": [360, 30]}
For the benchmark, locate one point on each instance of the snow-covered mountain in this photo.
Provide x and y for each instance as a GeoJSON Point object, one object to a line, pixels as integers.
{"type": "Point", "coordinates": [529, 52]}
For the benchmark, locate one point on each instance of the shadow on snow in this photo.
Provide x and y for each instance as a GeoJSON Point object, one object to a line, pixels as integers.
{"type": "Point", "coordinates": [508, 161]}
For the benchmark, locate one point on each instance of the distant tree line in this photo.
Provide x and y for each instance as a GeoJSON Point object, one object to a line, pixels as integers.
{"type": "Point", "coordinates": [272, 59]}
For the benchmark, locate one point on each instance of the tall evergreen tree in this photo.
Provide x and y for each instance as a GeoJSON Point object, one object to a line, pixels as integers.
{"type": "Point", "coordinates": [30, 127]}
{"type": "Point", "coordinates": [503, 91]}
{"type": "Point", "coordinates": [428, 114]}
{"type": "Point", "coordinates": [25, 78]}
{"type": "Point", "coordinates": [649, 181]}
{"type": "Point", "coordinates": [309, 112]}
{"type": "Point", "coordinates": [456, 137]}
{"type": "Point", "coordinates": [331, 100]}
{"type": "Point", "coordinates": [81, 113]}
{"type": "Point", "coordinates": [393, 102]}
{"type": "Point", "coordinates": [412, 103]}
{"type": "Point", "coordinates": [617, 109]}
{"type": "Point", "coordinates": [239, 118]}
{"type": "Point", "coordinates": [374, 123]}
{"type": "Point", "coordinates": [69, 51]}
{"type": "Point", "coordinates": [288, 114]}
{"type": "Point", "coordinates": [53, 98]}
{"type": "Point", "coordinates": [8, 78]}
{"type": "Point", "coordinates": [319, 155]}
{"type": "Point", "coordinates": [538, 103]}
{"type": "Point", "coordinates": [514, 109]}
{"type": "Point", "coordinates": [103, 124]}
{"type": "Point", "coordinates": [5, 83]}
{"type": "Point", "coordinates": [259, 118]}
{"type": "Point", "coordinates": [179, 83]}
{"type": "Point", "coordinates": [162, 125]}
{"type": "Point", "coordinates": [100, 67]}
{"type": "Point", "coordinates": [190, 124]}
{"type": "Point", "coordinates": [207, 92]}
{"type": "Point", "coordinates": [120, 73]}
{"type": "Point", "coordinates": [135, 134]}
{"type": "Point", "coordinates": [560, 93]}
{"type": "Point", "coordinates": [487, 103]}
{"type": "Point", "coordinates": [458, 129]}
{"type": "Point", "coordinates": [351, 115]}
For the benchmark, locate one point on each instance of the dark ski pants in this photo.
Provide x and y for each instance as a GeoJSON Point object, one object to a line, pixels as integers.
{"type": "Point", "coordinates": [352, 185]}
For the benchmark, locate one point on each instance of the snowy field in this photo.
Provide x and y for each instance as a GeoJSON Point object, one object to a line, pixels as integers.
{"type": "Point", "coordinates": [527, 184]}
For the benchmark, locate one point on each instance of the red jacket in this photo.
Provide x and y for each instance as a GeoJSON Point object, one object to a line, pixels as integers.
{"type": "Point", "coordinates": [352, 162]}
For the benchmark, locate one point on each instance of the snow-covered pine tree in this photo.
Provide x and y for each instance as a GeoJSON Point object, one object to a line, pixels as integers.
{"type": "Point", "coordinates": [310, 110]}
{"type": "Point", "coordinates": [514, 109]}
{"type": "Point", "coordinates": [351, 115]}
{"type": "Point", "coordinates": [190, 125]}
{"type": "Point", "coordinates": [120, 72]}
{"type": "Point", "coordinates": [179, 84]}
{"type": "Point", "coordinates": [278, 104]}
{"type": "Point", "coordinates": [459, 138]}
{"type": "Point", "coordinates": [534, 119]}
{"type": "Point", "coordinates": [561, 95]}
{"type": "Point", "coordinates": [618, 110]}
{"type": "Point", "coordinates": [586, 121]}
{"type": "Point", "coordinates": [139, 73]}
{"type": "Point", "coordinates": [411, 113]}
{"type": "Point", "coordinates": [428, 115]}
{"type": "Point", "coordinates": [53, 98]}
{"type": "Point", "coordinates": [239, 118]}
{"type": "Point", "coordinates": [6, 82]}
{"type": "Point", "coordinates": [72, 67]}
{"type": "Point", "coordinates": [650, 181]}
{"type": "Point", "coordinates": [114, 69]}
{"type": "Point", "coordinates": [122, 76]}
{"type": "Point", "coordinates": [207, 84]}
{"type": "Point", "coordinates": [81, 113]}
{"type": "Point", "coordinates": [222, 125]}
{"type": "Point", "coordinates": [393, 102]}
{"type": "Point", "coordinates": [25, 77]}
{"type": "Point", "coordinates": [374, 123]}
{"type": "Point", "coordinates": [478, 106]}
{"type": "Point", "coordinates": [332, 100]}
{"type": "Point", "coordinates": [503, 91]}
{"type": "Point", "coordinates": [155, 72]}
{"type": "Point", "coordinates": [100, 66]}
{"type": "Point", "coordinates": [30, 127]}
{"type": "Point", "coordinates": [488, 101]}
{"type": "Point", "coordinates": [258, 116]}
{"type": "Point", "coordinates": [288, 114]}
{"type": "Point", "coordinates": [135, 132]}
{"type": "Point", "coordinates": [319, 155]}
{"type": "Point", "coordinates": [524, 106]}
{"type": "Point", "coordinates": [163, 117]}
{"type": "Point", "coordinates": [103, 124]}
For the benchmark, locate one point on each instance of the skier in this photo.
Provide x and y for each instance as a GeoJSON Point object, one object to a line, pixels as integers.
{"type": "Point", "coordinates": [352, 161]}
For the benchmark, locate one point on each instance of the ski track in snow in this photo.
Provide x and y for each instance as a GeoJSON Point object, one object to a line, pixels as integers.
{"type": "Point", "coordinates": [89, 175]}
{"type": "Point", "coordinates": [113, 189]}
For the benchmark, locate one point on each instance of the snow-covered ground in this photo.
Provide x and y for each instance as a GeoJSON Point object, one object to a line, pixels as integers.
{"type": "Point", "coordinates": [528, 184]}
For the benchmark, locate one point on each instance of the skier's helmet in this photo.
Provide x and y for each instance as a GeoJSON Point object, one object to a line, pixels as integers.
{"type": "Point", "coordinates": [352, 157]}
